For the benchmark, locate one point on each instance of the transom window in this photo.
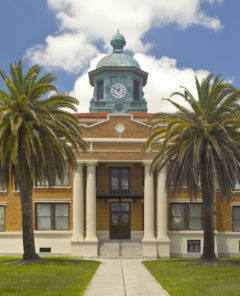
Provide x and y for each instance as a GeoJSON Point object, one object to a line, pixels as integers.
{"type": "Point", "coordinates": [120, 179]}
{"type": "Point", "coordinates": [236, 218]}
{"type": "Point", "coordinates": [52, 216]}
{"type": "Point", "coordinates": [2, 218]}
{"type": "Point", "coordinates": [116, 206]}
{"type": "Point", "coordinates": [100, 90]}
{"type": "Point", "coordinates": [186, 216]}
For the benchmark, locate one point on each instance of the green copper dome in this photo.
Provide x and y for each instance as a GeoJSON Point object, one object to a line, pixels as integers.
{"type": "Point", "coordinates": [118, 58]}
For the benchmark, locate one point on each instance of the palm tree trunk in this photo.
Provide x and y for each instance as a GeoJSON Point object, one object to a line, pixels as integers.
{"type": "Point", "coordinates": [29, 252]}
{"type": "Point", "coordinates": [208, 214]}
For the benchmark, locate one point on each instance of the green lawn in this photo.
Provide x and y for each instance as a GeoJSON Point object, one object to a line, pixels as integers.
{"type": "Point", "coordinates": [194, 280]}
{"type": "Point", "coordinates": [61, 277]}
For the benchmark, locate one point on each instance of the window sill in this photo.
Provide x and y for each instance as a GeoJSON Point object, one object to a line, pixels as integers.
{"type": "Point", "coordinates": [43, 187]}
{"type": "Point", "coordinates": [50, 188]}
{"type": "Point", "coordinates": [178, 200]}
{"type": "Point", "coordinates": [55, 232]}
{"type": "Point", "coordinates": [55, 200]}
{"type": "Point", "coordinates": [233, 191]}
{"type": "Point", "coordinates": [186, 231]}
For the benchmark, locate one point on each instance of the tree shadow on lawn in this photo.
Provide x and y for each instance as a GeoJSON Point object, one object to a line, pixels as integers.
{"type": "Point", "coordinates": [61, 261]}
{"type": "Point", "coordinates": [217, 262]}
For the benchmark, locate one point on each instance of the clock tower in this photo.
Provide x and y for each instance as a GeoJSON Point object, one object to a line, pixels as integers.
{"type": "Point", "coordinates": [118, 82]}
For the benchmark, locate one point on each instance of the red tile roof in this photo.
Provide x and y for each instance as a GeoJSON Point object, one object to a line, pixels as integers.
{"type": "Point", "coordinates": [141, 114]}
{"type": "Point", "coordinates": [92, 115]}
{"type": "Point", "coordinates": [104, 115]}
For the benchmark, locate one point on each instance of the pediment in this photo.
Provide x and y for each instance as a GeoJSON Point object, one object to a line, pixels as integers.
{"type": "Point", "coordinates": [116, 126]}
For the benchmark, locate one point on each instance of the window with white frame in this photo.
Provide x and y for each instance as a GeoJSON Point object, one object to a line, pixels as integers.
{"type": "Point", "coordinates": [236, 218]}
{"type": "Point", "coordinates": [186, 216]}
{"type": "Point", "coordinates": [58, 182]}
{"type": "Point", "coordinates": [52, 216]}
{"type": "Point", "coordinates": [2, 218]}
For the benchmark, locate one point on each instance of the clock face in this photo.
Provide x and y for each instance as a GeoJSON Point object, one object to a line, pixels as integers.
{"type": "Point", "coordinates": [118, 90]}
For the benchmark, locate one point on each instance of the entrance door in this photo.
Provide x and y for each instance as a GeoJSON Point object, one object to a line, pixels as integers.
{"type": "Point", "coordinates": [120, 220]}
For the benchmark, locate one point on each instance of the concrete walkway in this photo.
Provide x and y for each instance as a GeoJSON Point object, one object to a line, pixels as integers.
{"type": "Point", "coordinates": [124, 277]}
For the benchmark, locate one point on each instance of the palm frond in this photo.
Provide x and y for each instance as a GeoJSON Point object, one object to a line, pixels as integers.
{"type": "Point", "coordinates": [201, 144]}
{"type": "Point", "coordinates": [35, 131]}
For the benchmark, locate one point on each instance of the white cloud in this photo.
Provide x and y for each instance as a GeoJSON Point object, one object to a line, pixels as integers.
{"type": "Point", "coordinates": [82, 88]}
{"type": "Point", "coordinates": [164, 78]}
{"type": "Point", "coordinates": [83, 23]}
{"type": "Point", "coordinates": [69, 52]}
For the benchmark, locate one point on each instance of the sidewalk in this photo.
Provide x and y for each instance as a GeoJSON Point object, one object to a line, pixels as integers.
{"type": "Point", "coordinates": [123, 277]}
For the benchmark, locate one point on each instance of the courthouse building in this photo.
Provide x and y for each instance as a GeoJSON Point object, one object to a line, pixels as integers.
{"type": "Point", "coordinates": [112, 205]}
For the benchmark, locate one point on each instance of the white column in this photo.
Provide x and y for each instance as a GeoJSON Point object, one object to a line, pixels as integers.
{"type": "Point", "coordinates": [78, 213]}
{"type": "Point", "coordinates": [162, 206]}
{"type": "Point", "coordinates": [91, 201]}
{"type": "Point", "coordinates": [163, 242]}
{"type": "Point", "coordinates": [148, 202]}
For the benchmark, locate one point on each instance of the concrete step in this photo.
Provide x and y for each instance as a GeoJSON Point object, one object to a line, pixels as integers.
{"type": "Point", "coordinates": [131, 250]}
{"type": "Point", "coordinates": [120, 249]}
{"type": "Point", "coordinates": [108, 249]}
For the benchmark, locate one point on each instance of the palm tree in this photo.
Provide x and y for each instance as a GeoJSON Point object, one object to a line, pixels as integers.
{"type": "Point", "coordinates": [36, 137]}
{"type": "Point", "coordinates": [200, 146]}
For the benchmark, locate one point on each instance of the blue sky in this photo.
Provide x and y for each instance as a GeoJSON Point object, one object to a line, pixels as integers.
{"type": "Point", "coordinates": [172, 40]}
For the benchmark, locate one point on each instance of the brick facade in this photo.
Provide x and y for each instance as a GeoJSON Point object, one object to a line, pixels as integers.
{"type": "Point", "coordinates": [109, 148]}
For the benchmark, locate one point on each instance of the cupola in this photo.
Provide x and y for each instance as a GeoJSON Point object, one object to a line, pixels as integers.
{"type": "Point", "coordinates": [118, 81]}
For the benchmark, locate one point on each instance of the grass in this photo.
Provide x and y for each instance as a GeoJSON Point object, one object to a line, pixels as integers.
{"type": "Point", "coordinates": [188, 280]}
{"type": "Point", "coordinates": [61, 277]}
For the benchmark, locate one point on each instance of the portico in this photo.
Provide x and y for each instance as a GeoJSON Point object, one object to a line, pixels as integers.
{"type": "Point", "coordinates": [120, 210]}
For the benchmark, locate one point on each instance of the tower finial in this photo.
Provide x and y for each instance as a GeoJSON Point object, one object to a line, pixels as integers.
{"type": "Point", "coordinates": [118, 42]}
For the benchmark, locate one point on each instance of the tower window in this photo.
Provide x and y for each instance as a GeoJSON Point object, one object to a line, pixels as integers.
{"type": "Point", "coordinates": [100, 90]}
{"type": "Point", "coordinates": [136, 90]}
